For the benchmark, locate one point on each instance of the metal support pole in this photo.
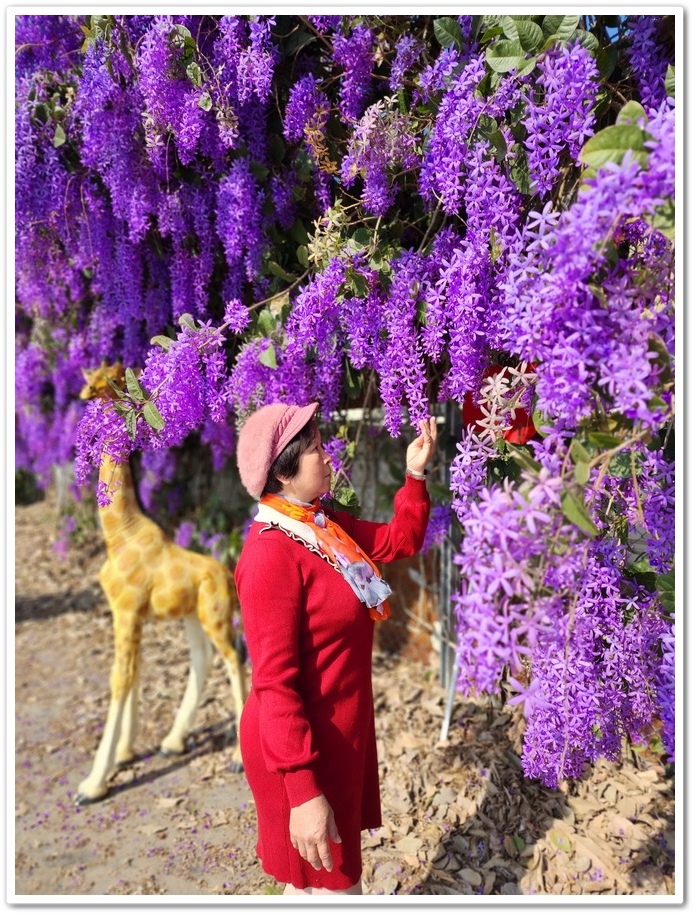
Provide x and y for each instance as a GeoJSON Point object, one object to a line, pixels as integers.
{"type": "Point", "coordinates": [444, 731]}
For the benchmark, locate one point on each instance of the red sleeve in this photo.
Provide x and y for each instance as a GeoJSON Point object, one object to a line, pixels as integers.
{"type": "Point", "coordinates": [270, 592]}
{"type": "Point", "coordinates": [403, 535]}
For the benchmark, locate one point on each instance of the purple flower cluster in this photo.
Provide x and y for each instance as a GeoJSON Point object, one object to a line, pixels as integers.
{"type": "Point", "coordinates": [236, 316]}
{"type": "Point", "coordinates": [325, 24]}
{"type": "Point", "coordinates": [435, 77]}
{"type": "Point", "coordinates": [460, 308]}
{"type": "Point", "coordinates": [402, 366]}
{"type": "Point", "coordinates": [408, 50]}
{"type": "Point", "coordinates": [551, 312]}
{"type": "Point", "coordinates": [438, 528]}
{"type": "Point", "coordinates": [649, 57]}
{"type": "Point", "coordinates": [256, 62]}
{"type": "Point", "coordinates": [443, 175]}
{"type": "Point", "coordinates": [381, 141]}
{"type": "Point", "coordinates": [337, 450]}
{"type": "Point", "coordinates": [559, 111]}
{"type": "Point", "coordinates": [47, 43]}
{"type": "Point", "coordinates": [354, 54]}
{"type": "Point", "coordinates": [240, 226]}
{"type": "Point", "coordinates": [171, 98]}
{"type": "Point", "coordinates": [109, 104]}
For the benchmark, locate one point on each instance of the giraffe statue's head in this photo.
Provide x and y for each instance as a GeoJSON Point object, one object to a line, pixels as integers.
{"type": "Point", "coordinates": [97, 381]}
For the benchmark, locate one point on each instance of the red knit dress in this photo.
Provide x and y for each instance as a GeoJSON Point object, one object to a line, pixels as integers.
{"type": "Point", "coordinates": [308, 723]}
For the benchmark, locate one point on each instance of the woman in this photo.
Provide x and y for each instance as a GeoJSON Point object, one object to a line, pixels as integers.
{"type": "Point", "coordinates": [309, 592]}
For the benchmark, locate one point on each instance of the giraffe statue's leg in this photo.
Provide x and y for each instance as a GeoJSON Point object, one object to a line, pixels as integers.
{"type": "Point", "coordinates": [235, 671]}
{"type": "Point", "coordinates": [127, 633]}
{"type": "Point", "coordinates": [216, 601]}
{"type": "Point", "coordinates": [125, 750]}
{"type": "Point", "coordinates": [201, 657]}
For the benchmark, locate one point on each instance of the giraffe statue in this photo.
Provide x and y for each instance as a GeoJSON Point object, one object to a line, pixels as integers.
{"type": "Point", "coordinates": [147, 575]}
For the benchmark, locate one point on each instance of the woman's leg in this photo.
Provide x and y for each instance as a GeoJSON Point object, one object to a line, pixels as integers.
{"type": "Point", "coordinates": [290, 889]}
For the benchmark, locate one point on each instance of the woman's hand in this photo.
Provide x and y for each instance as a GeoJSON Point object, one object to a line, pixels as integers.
{"type": "Point", "coordinates": [312, 825]}
{"type": "Point", "coordinates": [422, 449]}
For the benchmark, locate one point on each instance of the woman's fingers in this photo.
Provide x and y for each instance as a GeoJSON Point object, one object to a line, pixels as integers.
{"type": "Point", "coordinates": [318, 855]}
{"type": "Point", "coordinates": [325, 857]}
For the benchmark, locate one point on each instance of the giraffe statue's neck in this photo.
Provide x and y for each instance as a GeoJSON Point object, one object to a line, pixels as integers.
{"type": "Point", "coordinates": [122, 515]}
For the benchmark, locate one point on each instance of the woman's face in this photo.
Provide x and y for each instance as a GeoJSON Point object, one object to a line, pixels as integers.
{"type": "Point", "coordinates": [313, 474]}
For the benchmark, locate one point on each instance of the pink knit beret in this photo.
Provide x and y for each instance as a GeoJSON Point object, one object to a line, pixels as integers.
{"type": "Point", "coordinates": [263, 437]}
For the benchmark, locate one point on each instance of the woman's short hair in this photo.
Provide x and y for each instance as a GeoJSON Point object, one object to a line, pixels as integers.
{"type": "Point", "coordinates": [287, 464]}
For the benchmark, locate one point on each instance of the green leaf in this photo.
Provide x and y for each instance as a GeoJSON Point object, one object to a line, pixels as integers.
{"type": "Point", "coordinates": [663, 219]}
{"type": "Point", "coordinates": [161, 340]}
{"type": "Point", "coordinates": [622, 466]}
{"type": "Point", "coordinates": [298, 39]}
{"type": "Point", "coordinates": [523, 458]}
{"type": "Point", "coordinates": [540, 422]}
{"type": "Point", "coordinates": [581, 473]}
{"type": "Point", "coordinates": [41, 112]}
{"type": "Point", "coordinates": [586, 39]}
{"type": "Point", "coordinates": [492, 32]}
{"type": "Point", "coordinates": [447, 32]}
{"type": "Point", "coordinates": [122, 408]}
{"type": "Point", "coordinates": [607, 59]}
{"type": "Point", "coordinates": [604, 440]}
{"type": "Point", "coordinates": [560, 28]}
{"type": "Point", "coordinates": [632, 113]}
{"type": "Point", "coordinates": [519, 842]}
{"type": "Point", "coordinates": [645, 577]}
{"type": "Point", "coordinates": [204, 101]}
{"type": "Point", "coordinates": [612, 144]}
{"type": "Point", "coordinates": [59, 136]}
{"type": "Point", "coordinates": [266, 322]}
{"type": "Point", "coordinates": [362, 237]}
{"type": "Point", "coordinates": [666, 581]}
{"type": "Point", "coordinates": [347, 500]}
{"type": "Point", "coordinates": [497, 140]}
{"type": "Point", "coordinates": [193, 71]}
{"type": "Point", "coordinates": [152, 416]}
{"type": "Point", "coordinates": [527, 66]}
{"type": "Point", "coordinates": [529, 34]}
{"type": "Point", "coordinates": [519, 172]}
{"type": "Point", "coordinates": [131, 419]}
{"type": "Point", "coordinates": [259, 171]}
{"type": "Point", "coordinates": [476, 24]}
{"type": "Point", "coordinates": [670, 82]}
{"type": "Point", "coordinates": [135, 389]}
{"type": "Point", "coordinates": [277, 148]}
{"type": "Point", "coordinates": [303, 255]}
{"type": "Point", "coordinates": [578, 452]}
{"type": "Point", "coordinates": [279, 271]}
{"type": "Point", "coordinates": [115, 388]}
{"type": "Point", "coordinates": [186, 321]}
{"type": "Point", "coordinates": [358, 284]}
{"type": "Point", "coordinates": [509, 28]}
{"type": "Point", "coordinates": [550, 24]}
{"type": "Point", "coordinates": [505, 55]}
{"type": "Point", "coordinates": [576, 512]}
{"type": "Point", "coordinates": [298, 232]}
{"type": "Point", "coordinates": [268, 356]}
{"type": "Point", "coordinates": [666, 586]}
{"type": "Point", "coordinates": [352, 380]}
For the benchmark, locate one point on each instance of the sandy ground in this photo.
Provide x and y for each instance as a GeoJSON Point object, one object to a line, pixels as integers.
{"type": "Point", "coordinates": [459, 817]}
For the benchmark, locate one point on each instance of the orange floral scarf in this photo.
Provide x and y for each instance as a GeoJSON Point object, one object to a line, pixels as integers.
{"type": "Point", "coordinates": [341, 551]}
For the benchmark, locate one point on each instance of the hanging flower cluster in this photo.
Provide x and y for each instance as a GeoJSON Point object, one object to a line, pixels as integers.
{"type": "Point", "coordinates": [403, 210]}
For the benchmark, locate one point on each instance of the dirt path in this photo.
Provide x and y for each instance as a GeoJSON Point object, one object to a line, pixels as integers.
{"type": "Point", "coordinates": [459, 818]}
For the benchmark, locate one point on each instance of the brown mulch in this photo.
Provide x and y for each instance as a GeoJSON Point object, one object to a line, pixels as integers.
{"type": "Point", "coordinates": [459, 816]}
